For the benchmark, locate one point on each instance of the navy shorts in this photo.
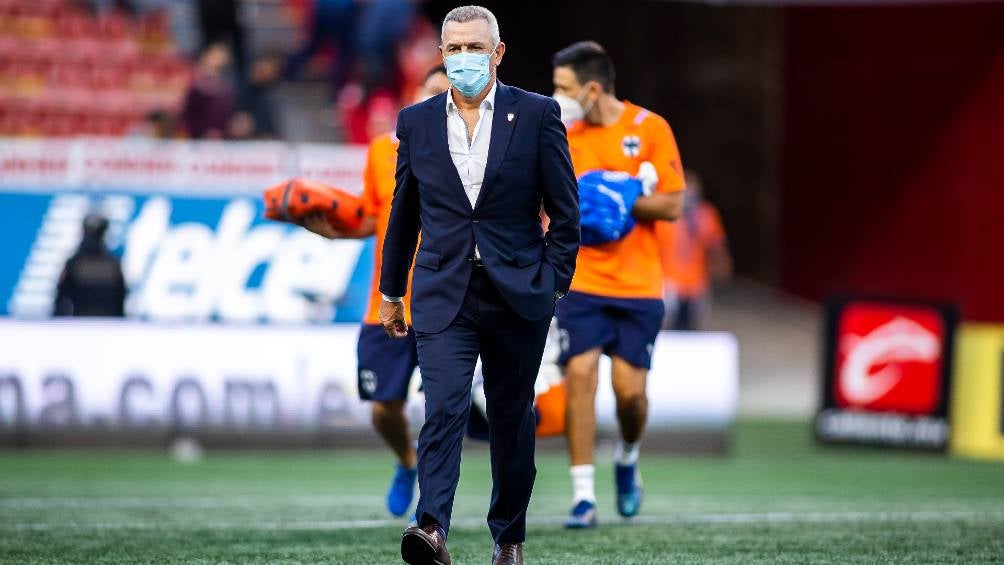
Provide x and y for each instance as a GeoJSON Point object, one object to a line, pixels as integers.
{"type": "Point", "coordinates": [621, 327]}
{"type": "Point", "coordinates": [385, 363]}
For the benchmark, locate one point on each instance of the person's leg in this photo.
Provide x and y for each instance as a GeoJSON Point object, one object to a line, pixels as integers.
{"type": "Point", "coordinates": [385, 369]}
{"type": "Point", "coordinates": [632, 403]}
{"type": "Point", "coordinates": [511, 350]}
{"type": "Point", "coordinates": [584, 331]}
{"type": "Point", "coordinates": [391, 423]}
{"type": "Point", "coordinates": [581, 377]}
{"type": "Point", "coordinates": [637, 327]}
{"type": "Point", "coordinates": [447, 362]}
{"type": "Point", "coordinates": [686, 316]}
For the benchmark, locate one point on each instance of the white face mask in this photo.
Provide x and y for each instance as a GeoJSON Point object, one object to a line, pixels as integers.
{"type": "Point", "coordinates": [571, 110]}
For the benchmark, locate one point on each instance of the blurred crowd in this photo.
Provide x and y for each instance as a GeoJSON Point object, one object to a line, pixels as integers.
{"type": "Point", "coordinates": [114, 67]}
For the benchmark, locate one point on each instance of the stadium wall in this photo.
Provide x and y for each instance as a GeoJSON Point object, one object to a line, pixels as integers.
{"type": "Point", "coordinates": [242, 331]}
{"type": "Point", "coordinates": [892, 177]}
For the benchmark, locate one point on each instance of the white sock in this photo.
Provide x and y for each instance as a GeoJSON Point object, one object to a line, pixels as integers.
{"type": "Point", "coordinates": [626, 453]}
{"type": "Point", "coordinates": [583, 485]}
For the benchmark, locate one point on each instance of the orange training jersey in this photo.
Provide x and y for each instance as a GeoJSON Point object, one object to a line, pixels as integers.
{"type": "Point", "coordinates": [684, 245]}
{"type": "Point", "coordinates": [378, 191]}
{"type": "Point", "coordinates": [630, 267]}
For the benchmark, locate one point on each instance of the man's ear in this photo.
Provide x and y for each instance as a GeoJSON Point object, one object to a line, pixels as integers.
{"type": "Point", "coordinates": [499, 53]}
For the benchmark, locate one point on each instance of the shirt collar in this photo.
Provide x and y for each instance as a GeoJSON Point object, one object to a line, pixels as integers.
{"type": "Point", "coordinates": [488, 103]}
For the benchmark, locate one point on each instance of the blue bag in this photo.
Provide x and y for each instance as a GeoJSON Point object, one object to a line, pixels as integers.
{"type": "Point", "coordinates": [605, 202]}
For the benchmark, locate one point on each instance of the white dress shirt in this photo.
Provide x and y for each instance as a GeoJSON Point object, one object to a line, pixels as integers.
{"type": "Point", "coordinates": [470, 159]}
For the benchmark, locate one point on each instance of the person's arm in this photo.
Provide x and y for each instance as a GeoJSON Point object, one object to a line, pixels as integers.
{"type": "Point", "coordinates": [316, 222]}
{"type": "Point", "coordinates": [561, 198]}
{"type": "Point", "coordinates": [63, 304]}
{"type": "Point", "coordinates": [400, 240]}
{"type": "Point", "coordinates": [716, 245]}
{"type": "Point", "coordinates": [658, 206]}
{"type": "Point", "coordinates": [121, 290]}
{"type": "Point", "coordinates": [666, 202]}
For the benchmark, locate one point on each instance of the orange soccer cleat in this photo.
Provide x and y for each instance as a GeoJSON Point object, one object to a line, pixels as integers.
{"type": "Point", "coordinates": [291, 200]}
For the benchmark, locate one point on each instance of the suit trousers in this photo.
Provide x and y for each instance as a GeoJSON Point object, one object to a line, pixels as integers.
{"type": "Point", "coordinates": [511, 348]}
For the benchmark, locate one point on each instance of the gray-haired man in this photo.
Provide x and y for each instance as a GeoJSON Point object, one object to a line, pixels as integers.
{"type": "Point", "coordinates": [474, 166]}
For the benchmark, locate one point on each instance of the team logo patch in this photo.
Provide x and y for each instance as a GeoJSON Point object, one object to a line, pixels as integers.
{"type": "Point", "coordinates": [631, 145]}
{"type": "Point", "coordinates": [564, 340]}
{"type": "Point", "coordinates": [367, 381]}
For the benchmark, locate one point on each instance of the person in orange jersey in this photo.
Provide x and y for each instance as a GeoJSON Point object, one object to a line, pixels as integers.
{"type": "Point", "coordinates": [615, 304]}
{"type": "Point", "coordinates": [695, 253]}
{"type": "Point", "coordinates": [385, 364]}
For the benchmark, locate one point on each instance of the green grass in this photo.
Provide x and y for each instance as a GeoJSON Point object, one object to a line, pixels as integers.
{"type": "Point", "coordinates": [777, 499]}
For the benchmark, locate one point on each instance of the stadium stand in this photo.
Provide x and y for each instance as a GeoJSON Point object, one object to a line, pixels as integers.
{"type": "Point", "coordinates": [65, 71]}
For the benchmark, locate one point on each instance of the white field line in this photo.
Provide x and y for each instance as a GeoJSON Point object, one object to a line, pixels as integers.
{"type": "Point", "coordinates": [471, 522]}
{"type": "Point", "coordinates": [335, 501]}
{"type": "Point", "coordinates": [44, 502]}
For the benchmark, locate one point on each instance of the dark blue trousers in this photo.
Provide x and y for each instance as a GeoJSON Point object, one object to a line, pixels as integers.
{"type": "Point", "coordinates": [510, 348]}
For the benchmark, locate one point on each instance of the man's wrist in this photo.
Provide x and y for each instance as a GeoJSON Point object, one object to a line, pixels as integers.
{"type": "Point", "coordinates": [392, 298]}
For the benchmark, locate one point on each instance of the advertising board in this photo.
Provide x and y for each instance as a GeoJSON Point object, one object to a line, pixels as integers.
{"type": "Point", "coordinates": [887, 373]}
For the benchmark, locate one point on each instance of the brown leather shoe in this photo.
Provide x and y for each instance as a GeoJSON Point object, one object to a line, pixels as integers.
{"type": "Point", "coordinates": [424, 546]}
{"type": "Point", "coordinates": [508, 554]}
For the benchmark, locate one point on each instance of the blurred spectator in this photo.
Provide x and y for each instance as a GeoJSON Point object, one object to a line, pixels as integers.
{"type": "Point", "coordinates": [91, 283]}
{"type": "Point", "coordinates": [220, 22]}
{"type": "Point", "coordinates": [694, 253]}
{"type": "Point", "coordinates": [381, 27]}
{"type": "Point", "coordinates": [365, 37]}
{"type": "Point", "coordinates": [332, 22]}
{"type": "Point", "coordinates": [211, 101]}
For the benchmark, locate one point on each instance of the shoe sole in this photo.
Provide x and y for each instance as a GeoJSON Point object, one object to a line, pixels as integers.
{"type": "Point", "coordinates": [417, 551]}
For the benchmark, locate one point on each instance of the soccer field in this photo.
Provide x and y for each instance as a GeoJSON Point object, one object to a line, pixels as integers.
{"type": "Point", "coordinates": [777, 499]}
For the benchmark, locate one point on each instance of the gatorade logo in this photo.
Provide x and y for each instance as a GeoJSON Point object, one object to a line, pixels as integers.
{"type": "Point", "coordinates": [889, 358]}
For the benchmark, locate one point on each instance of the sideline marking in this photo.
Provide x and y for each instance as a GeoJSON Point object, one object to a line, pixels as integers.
{"type": "Point", "coordinates": [471, 522]}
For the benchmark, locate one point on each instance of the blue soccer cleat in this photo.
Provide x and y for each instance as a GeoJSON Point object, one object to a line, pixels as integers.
{"type": "Point", "coordinates": [583, 516]}
{"type": "Point", "coordinates": [402, 490]}
{"type": "Point", "coordinates": [629, 491]}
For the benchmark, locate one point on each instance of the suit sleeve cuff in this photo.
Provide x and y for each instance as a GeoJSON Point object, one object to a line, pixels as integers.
{"type": "Point", "coordinates": [392, 298]}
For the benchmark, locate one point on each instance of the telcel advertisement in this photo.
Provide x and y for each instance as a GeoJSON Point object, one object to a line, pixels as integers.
{"type": "Point", "coordinates": [185, 218]}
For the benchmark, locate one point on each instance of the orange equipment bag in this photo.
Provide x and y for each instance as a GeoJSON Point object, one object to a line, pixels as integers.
{"type": "Point", "coordinates": [551, 409]}
{"type": "Point", "coordinates": [291, 200]}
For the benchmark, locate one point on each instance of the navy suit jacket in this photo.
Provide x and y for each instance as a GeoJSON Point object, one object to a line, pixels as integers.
{"type": "Point", "coordinates": [528, 166]}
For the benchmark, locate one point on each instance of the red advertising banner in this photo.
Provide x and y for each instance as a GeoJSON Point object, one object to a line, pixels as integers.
{"type": "Point", "coordinates": [887, 369]}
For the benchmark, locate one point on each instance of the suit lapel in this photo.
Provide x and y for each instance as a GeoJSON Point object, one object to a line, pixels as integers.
{"type": "Point", "coordinates": [441, 146]}
{"type": "Point", "coordinates": [504, 118]}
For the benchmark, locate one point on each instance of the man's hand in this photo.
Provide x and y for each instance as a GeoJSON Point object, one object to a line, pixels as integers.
{"type": "Point", "coordinates": [317, 223]}
{"type": "Point", "coordinates": [392, 318]}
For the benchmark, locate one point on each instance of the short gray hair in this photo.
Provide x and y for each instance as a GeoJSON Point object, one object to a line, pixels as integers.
{"type": "Point", "coordinates": [464, 14]}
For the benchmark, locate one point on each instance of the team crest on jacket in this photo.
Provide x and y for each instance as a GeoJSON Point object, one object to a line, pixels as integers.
{"type": "Point", "coordinates": [631, 145]}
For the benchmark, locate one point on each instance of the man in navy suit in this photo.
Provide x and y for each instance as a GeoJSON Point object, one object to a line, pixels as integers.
{"type": "Point", "coordinates": [475, 165]}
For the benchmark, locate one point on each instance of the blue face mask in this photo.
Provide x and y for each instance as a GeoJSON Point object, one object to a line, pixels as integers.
{"type": "Point", "coordinates": [468, 72]}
